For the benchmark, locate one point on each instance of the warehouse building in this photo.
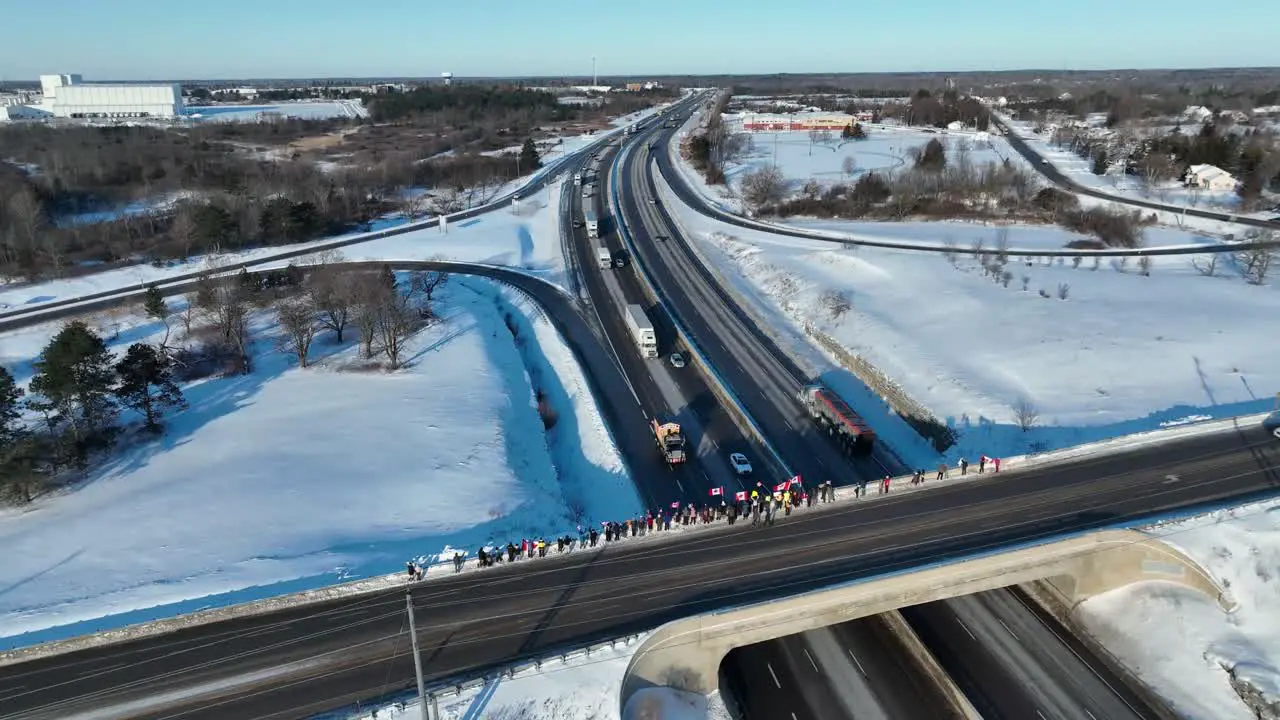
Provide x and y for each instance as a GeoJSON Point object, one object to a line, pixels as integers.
{"type": "Point", "coordinates": [68, 96]}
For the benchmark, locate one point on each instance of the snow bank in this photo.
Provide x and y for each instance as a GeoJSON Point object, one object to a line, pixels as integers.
{"type": "Point", "coordinates": [581, 686]}
{"type": "Point", "coordinates": [1179, 641]}
{"type": "Point", "coordinates": [290, 479]}
{"type": "Point", "coordinates": [1124, 353]}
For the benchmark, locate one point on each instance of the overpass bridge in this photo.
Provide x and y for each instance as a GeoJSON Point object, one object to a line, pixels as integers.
{"type": "Point", "coordinates": [685, 655]}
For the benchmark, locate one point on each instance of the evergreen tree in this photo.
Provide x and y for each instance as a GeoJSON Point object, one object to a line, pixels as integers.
{"type": "Point", "coordinates": [529, 158]}
{"type": "Point", "coordinates": [1100, 161]}
{"type": "Point", "coordinates": [933, 157]}
{"type": "Point", "coordinates": [146, 384]}
{"type": "Point", "coordinates": [387, 277]}
{"type": "Point", "coordinates": [154, 305]}
{"type": "Point", "coordinates": [10, 397]}
{"type": "Point", "coordinates": [72, 387]}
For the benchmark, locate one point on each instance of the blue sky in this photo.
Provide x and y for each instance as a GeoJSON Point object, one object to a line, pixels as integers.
{"type": "Point", "coordinates": [151, 39]}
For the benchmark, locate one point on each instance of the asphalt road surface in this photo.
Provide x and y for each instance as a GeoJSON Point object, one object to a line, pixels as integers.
{"type": "Point", "coordinates": [852, 671]}
{"type": "Point", "coordinates": [665, 392]}
{"type": "Point", "coordinates": [1013, 666]}
{"type": "Point", "coordinates": [296, 662]}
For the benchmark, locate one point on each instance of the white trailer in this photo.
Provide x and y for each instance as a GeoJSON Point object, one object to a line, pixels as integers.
{"type": "Point", "coordinates": [592, 222]}
{"type": "Point", "coordinates": [603, 256]}
{"type": "Point", "coordinates": [577, 178]}
{"type": "Point", "coordinates": [642, 331]}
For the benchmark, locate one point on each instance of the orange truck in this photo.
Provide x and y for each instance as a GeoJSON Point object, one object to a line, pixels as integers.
{"type": "Point", "coordinates": [670, 441]}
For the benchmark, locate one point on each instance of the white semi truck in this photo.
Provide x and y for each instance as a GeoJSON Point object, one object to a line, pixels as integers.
{"type": "Point", "coordinates": [592, 222]}
{"type": "Point", "coordinates": [642, 331]}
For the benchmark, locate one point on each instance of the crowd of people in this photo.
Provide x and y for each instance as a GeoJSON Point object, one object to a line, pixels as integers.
{"type": "Point", "coordinates": [759, 506]}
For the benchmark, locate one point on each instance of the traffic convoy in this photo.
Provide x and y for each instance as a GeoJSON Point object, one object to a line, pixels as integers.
{"type": "Point", "coordinates": [830, 413]}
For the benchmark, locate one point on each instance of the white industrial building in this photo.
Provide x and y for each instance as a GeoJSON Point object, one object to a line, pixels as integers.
{"type": "Point", "coordinates": [68, 96]}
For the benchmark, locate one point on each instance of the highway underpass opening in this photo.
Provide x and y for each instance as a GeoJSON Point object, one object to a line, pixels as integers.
{"type": "Point", "coordinates": [685, 655]}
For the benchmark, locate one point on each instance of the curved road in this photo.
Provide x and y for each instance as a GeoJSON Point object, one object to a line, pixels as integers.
{"type": "Point", "coordinates": [295, 662]}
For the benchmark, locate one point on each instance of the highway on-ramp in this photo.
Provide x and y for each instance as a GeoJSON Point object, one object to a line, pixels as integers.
{"type": "Point", "coordinates": [298, 661]}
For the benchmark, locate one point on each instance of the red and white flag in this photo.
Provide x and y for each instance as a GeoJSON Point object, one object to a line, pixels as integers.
{"type": "Point", "coordinates": [740, 496]}
{"type": "Point", "coordinates": [794, 481]}
{"type": "Point", "coordinates": [717, 491]}
{"type": "Point", "coordinates": [675, 504]}
{"type": "Point", "coordinates": [783, 486]}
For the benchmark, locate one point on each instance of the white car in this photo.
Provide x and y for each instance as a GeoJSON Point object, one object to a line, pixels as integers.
{"type": "Point", "coordinates": [677, 360]}
{"type": "Point", "coordinates": [740, 464]}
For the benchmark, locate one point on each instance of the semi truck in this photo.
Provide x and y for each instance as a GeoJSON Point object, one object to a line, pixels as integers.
{"type": "Point", "coordinates": [577, 178]}
{"type": "Point", "coordinates": [670, 441]}
{"type": "Point", "coordinates": [592, 222]}
{"type": "Point", "coordinates": [831, 413]}
{"type": "Point", "coordinates": [642, 331]}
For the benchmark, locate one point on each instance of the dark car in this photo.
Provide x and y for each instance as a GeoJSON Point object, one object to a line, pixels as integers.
{"type": "Point", "coordinates": [661, 238]}
{"type": "Point", "coordinates": [1272, 423]}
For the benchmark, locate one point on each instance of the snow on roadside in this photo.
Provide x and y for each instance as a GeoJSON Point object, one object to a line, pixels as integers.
{"type": "Point", "coordinates": [361, 472]}
{"type": "Point", "coordinates": [1179, 641]}
{"type": "Point", "coordinates": [1123, 354]}
{"type": "Point", "coordinates": [582, 687]}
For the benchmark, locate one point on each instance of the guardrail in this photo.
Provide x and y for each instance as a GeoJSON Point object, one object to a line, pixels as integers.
{"type": "Point", "coordinates": [717, 384]}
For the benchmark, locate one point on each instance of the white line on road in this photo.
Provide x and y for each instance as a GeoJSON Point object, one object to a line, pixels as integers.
{"type": "Point", "coordinates": [775, 675]}
{"type": "Point", "coordinates": [855, 662]}
{"type": "Point", "coordinates": [1091, 715]}
{"type": "Point", "coordinates": [810, 658]}
{"type": "Point", "coordinates": [966, 629]}
{"type": "Point", "coordinates": [793, 717]}
{"type": "Point", "coordinates": [1041, 715]}
{"type": "Point", "coordinates": [680, 485]}
{"type": "Point", "coordinates": [1006, 628]}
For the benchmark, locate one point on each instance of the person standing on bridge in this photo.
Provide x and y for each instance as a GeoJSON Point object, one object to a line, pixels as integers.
{"type": "Point", "coordinates": [982, 464]}
{"type": "Point", "coordinates": [995, 462]}
{"type": "Point", "coordinates": [964, 467]}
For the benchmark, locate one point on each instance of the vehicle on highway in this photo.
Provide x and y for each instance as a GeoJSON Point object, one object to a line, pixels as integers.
{"type": "Point", "coordinates": [1272, 423]}
{"type": "Point", "coordinates": [653, 201]}
{"type": "Point", "coordinates": [661, 238]}
{"type": "Point", "coordinates": [619, 261]}
{"type": "Point", "coordinates": [740, 463]}
{"type": "Point", "coordinates": [831, 413]}
{"type": "Point", "coordinates": [677, 360]}
{"type": "Point", "coordinates": [603, 257]}
{"type": "Point", "coordinates": [642, 331]}
{"type": "Point", "coordinates": [670, 441]}
{"type": "Point", "coordinates": [578, 223]}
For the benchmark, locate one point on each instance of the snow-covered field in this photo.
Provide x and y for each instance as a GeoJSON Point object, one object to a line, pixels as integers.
{"type": "Point", "coordinates": [1116, 181]}
{"type": "Point", "coordinates": [288, 479]}
{"type": "Point", "coordinates": [1180, 641]}
{"type": "Point", "coordinates": [581, 687]}
{"type": "Point", "coordinates": [886, 148]}
{"type": "Point", "coordinates": [1122, 354]}
{"type": "Point", "coordinates": [527, 239]}
{"type": "Point", "coordinates": [312, 110]}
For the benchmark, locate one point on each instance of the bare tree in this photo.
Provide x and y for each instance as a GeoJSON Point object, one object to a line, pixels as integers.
{"type": "Point", "coordinates": [1002, 245]}
{"type": "Point", "coordinates": [298, 321]}
{"type": "Point", "coordinates": [332, 292]}
{"type": "Point", "coordinates": [848, 165]}
{"type": "Point", "coordinates": [1064, 291]}
{"type": "Point", "coordinates": [1025, 414]}
{"type": "Point", "coordinates": [230, 314]}
{"type": "Point", "coordinates": [950, 249]}
{"type": "Point", "coordinates": [396, 322]}
{"type": "Point", "coordinates": [1255, 263]}
{"type": "Point", "coordinates": [977, 248]}
{"type": "Point", "coordinates": [369, 294]}
{"type": "Point", "coordinates": [1206, 265]}
{"type": "Point", "coordinates": [1144, 265]}
{"type": "Point", "coordinates": [426, 282]}
{"type": "Point", "coordinates": [182, 230]}
{"type": "Point", "coordinates": [446, 200]}
{"type": "Point", "coordinates": [764, 186]}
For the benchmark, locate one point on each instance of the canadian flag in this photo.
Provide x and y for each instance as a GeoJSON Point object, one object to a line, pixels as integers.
{"type": "Point", "coordinates": [794, 481]}
{"type": "Point", "coordinates": [783, 486]}
{"type": "Point", "coordinates": [717, 491]}
{"type": "Point", "coordinates": [675, 504]}
{"type": "Point", "coordinates": [740, 496]}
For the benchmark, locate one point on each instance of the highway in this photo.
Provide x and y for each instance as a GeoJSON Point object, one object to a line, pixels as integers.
{"type": "Point", "coordinates": [666, 393]}
{"type": "Point", "coordinates": [1012, 664]}
{"type": "Point", "coordinates": [763, 378]}
{"type": "Point", "coordinates": [326, 655]}
{"type": "Point", "coordinates": [852, 671]}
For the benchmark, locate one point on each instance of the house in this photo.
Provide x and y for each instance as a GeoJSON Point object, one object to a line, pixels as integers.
{"type": "Point", "coordinates": [1211, 178]}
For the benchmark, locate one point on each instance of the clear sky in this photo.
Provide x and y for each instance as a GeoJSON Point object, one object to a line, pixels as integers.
{"type": "Point", "coordinates": [173, 39]}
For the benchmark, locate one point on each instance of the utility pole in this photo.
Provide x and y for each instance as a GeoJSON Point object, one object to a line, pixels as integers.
{"type": "Point", "coordinates": [417, 659]}
{"type": "Point", "coordinates": [595, 79]}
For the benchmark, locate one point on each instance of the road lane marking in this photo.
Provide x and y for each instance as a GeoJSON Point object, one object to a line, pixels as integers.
{"type": "Point", "coordinates": [679, 485]}
{"type": "Point", "coordinates": [1170, 479]}
{"type": "Point", "coordinates": [1041, 715]}
{"type": "Point", "coordinates": [810, 657]}
{"type": "Point", "coordinates": [775, 675]}
{"type": "Point", "coordinates": [966, 629]}
{"type": "Point", "coordinates": [1006, 628]}
{"type": "Point", "coordinates": [1091, 715]}
{"type": "Point", "coordinates": [855, 661]}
